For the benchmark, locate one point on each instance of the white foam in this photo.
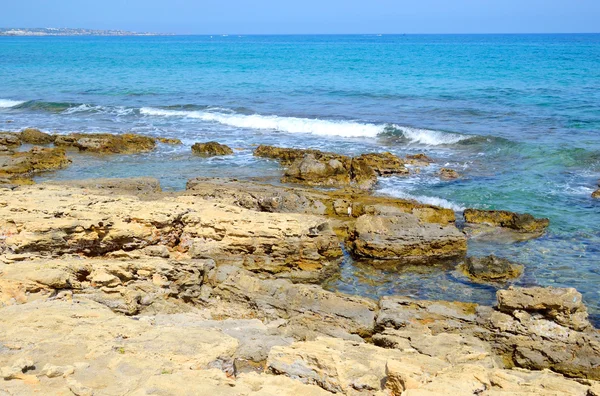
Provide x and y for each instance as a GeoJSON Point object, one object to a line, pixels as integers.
{"type": "Point", "coordinates": [430, 137]}
{"type": "Point", "coordinates": [83, 108]}
{"type": "Point", "coordinates": [4, 103]}
{"type": "Point", "coordinates": [444, 203]}
{"type": "Point", "coordinates": [276, 123]}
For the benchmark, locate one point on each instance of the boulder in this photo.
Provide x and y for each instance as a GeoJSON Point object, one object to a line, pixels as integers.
{"type": "Point", "coordinates": [525, 222]}
{"type": "Point", "coordinates": [596, 194]}
{"type": "Point", "coordinates": [36, 160]}
{"type": "Point", "coordinates": [419, 159]}
{"type": "Point", "coordinates": [35, 136]}
{"type": "Point", "coordinates": [211, 149]}
{"type": "Point", "coordinates": [448, 174]}
{"type": "Point", "coordinates": [402, 237]}
{"type": "Point", "coordinates": [385, 164]}
{"type": "Point", "coordinates": [491, 269]}
{"type": "Point", "coordinates": [563, 306]}
{"type": "Point", "coordinates": [105, 143]}
{"type": "Point", "coordinates": [330, 172]}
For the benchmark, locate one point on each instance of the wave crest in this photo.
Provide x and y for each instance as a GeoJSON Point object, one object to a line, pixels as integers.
{"type": "Point", "coordinates": [7, 103]}
{"type": "Point", "coordinates": [313, 126]}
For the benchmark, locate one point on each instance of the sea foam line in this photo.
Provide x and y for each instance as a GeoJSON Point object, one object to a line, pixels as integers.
{"type": "Point", "coordinates": [5, 103]}
{"type": "Point", "coordinates": [308, 125]}
{"type": "Point", "coordinates": [436, 201]}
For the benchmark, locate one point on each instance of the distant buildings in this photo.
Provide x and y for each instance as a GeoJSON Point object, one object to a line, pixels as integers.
{"type": "Point", "coordinates": [69, 32]}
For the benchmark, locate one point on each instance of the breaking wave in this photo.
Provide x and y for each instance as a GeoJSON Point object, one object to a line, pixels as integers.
{"type": "Point", "coordinates": [6, 103]}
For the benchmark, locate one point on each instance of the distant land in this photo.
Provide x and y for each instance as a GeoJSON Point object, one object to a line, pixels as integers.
{"type": "Point", "coordinates": [71, 32]}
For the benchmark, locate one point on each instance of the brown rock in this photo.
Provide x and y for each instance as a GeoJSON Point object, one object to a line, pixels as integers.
{"type": "Point", "coordinates": [164, 140]}
{"type": "Point", "coordinates": [139, 186]}
{"type": "Point", "coordinates": [419, 159]}
{"type": "Point", "coordinates": [9, 139]}
{"type": "Point", "coordinates": [211, 149]}
{"type": "Point", "coordinates": [403, 237]}
{"type": "Point", "coordinates": [385, 164]}
{"type": "Point", "coordinates": [596, 194]}
{"type": "Point", "coordinates": [105, 143]}
{"type": "Point", "coordinates": [491, 269]}
{"type": "Point", "coordinates": [287, 155]}
{"type": "Point", "coordinates": [448, 174]}
{"type": "Point", "coordinates": [500, 218]}
{"type": "Point", "coordinates": [35, 136]}
{"type": "Point", "coordinates": [33, 161]}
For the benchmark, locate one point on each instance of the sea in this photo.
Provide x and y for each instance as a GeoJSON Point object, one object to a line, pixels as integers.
{"type": "Point", "coordinates": [518, 116]}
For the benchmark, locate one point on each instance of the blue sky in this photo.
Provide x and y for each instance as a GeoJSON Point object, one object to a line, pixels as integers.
{"type": "Point", "coordinates": [308, 16]}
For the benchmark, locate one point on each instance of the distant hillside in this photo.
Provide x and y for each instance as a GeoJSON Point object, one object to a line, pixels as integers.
{"type": "Point", "coordinates": [69, 32]}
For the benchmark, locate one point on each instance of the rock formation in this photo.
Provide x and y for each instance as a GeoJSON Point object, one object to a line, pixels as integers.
{"type": "Point", "coordinates": [211, 149]}
{"type": "Point", "coordinates": [491, 269]}
{"type": "Point", "coordinates": [105, 143]}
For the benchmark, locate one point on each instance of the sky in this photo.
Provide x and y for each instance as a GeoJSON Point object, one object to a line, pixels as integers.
{"type": "Point", "coordinates": [308, 16]}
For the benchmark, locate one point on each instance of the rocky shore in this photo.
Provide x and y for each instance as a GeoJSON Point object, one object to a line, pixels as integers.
{"type": "Point", "coordinates": [114, 287]}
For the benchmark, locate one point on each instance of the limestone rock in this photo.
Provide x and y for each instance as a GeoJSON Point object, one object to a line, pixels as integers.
{"type": "Point", "coordinates": [35, 136]}
{"type": "Point", "coordinates": [385, 164]}
{"type": "Point", "coordinates": [211, 149]}
{"type": "Point", "coordinates": [139, 186]}
{"type": "Point", "coordinates": [491, 269]}
{"type": "Point", "coordinates": [34, 161]}
{"type": "Point", "coordinates": [500, 218]}
{"type": "Point", "coordinates": [345, 204]}
{"type": "Point", "coordinates": [448, 174]}
{"type": "Point", "coordinates": [61, 220]}
{"type": "Point", "coordinates": [286, 156]}
{"type": "Point", "coordinates": [561, 305]}
{"type": "Point", "coordinates": [403, 237]}
{"type": "Point", "coordinates": [353, 315]}
{"type": "Point", "coordinates": [9, 139]}
{"type": "Point", "coordinates": [106, 143]}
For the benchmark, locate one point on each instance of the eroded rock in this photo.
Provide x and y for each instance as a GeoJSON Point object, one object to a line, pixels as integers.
{"type": "Point", "coordinates": [28, 163]}
{"type": "Point", "coordinates": [525, 223]}
{"type": "Point", "coordinates": [491, 269]}
{"type": "Point", "coordinates": [105, 143]}
{"type": "Point", "coordinates": [211, 149]}
{"type": "Point", "coordinates": [403, 237]}
{"type": "Point", "coordinates": [448, 174]}
{"type": "Point", "coordinates": [35, 136]}
{"type": "Point", "coordinates": [385, 164]}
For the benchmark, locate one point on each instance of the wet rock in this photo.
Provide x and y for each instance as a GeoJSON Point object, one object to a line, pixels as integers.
{"type": "Point", "coordinates": [491, 269]}
{"type": "Point", "coordinates": [9, 139]}
{"type": "Point", "coordinates": [105, 143]}
{"type": "Point", "coordinates": [173, 141]}
{"type": "Point", "coordinates": [596, 194]}
{"type": "Point", "coordinates": [403, 237]}
{"type": "Point", "coordinates": [344, 204]}
{"type": "Point", "coordinates": [318, 168]}
{"type": "Point", "coordinates": [330, 172]}
{"type": "Point", "coordinates": [211, 149]}
{"type": "Point", "coordinates": [525, 222]}
{"type": "Point", "coordinates": [419, 160]}
{"type": "Point", "coordinates": [561, 305]}
{"type": "Point", "coordinates": [448, 174]}
{"type": "Point", "coordinates": [385, 164]}
{"type": "Point", "coordinates": [36, 160]}
{"type": "Point", "coordinates": [35, 136]}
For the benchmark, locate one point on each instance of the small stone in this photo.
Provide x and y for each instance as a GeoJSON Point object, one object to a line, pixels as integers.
{"type": "Point", "coordinates": [448, 174]}
{"type": "Point", "coordinates": [52, 371]}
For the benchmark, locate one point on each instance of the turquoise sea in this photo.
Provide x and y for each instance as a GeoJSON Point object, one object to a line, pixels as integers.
{"type": "Point", "coordinates": [517, 115]}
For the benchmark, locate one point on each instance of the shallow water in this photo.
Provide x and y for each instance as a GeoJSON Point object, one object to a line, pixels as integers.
{"type": "Point", "coordinates": [517, 115]}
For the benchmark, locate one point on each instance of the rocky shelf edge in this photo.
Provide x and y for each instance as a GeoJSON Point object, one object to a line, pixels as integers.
{"type": "Point", "coordinates": [112, 287]}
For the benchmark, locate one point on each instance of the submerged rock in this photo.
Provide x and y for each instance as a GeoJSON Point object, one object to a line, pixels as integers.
{"type": "Point", "coordinates": [36, 160]}
{"type": "Point", "coordinates": [165, 140]}
{"type": "Point", "coordinates": [211, 149]}
{"type": "Point", "coordinates": [35, 136]}
{"type": "Point", "coordinates": [105, 143]}
{"type": "Point", "coordinates": [525, 222]}
{"type": "Point", "coordinates": [419, 159]}
{"type": "Point", "coordinates": [491, 269]}
{"type": "Point", "coordinates": [448, 174]}
{"type": "Point", "coordinates": [403, 237]}
{"type": "Point", "coordinates": [596, 194]}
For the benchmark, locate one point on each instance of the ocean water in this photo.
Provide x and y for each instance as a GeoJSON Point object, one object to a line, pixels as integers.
{"type": "Point", "coordinates": [517, 115]}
